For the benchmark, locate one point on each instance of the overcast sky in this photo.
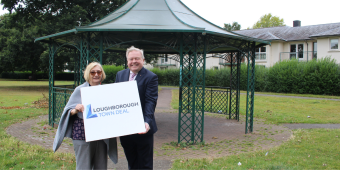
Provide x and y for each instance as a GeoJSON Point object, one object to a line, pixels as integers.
{"type": "Point", "coordinates": [247, 12]}
{"type": "Point", "coordinates": [2, 11]}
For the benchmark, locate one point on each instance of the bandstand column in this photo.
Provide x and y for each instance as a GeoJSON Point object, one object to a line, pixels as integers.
{"type": "Point", "coordinates": [191, 97]}
{"type": "Point", "coordinates": [250, 87]}
{"type": "Point", "coordinates": [52, 49]}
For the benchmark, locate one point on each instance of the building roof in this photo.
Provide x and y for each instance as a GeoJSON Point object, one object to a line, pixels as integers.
{"type": "Point", "coordinates": [286, 33]}
{"type": "Point", "coordinates": [331, 32]}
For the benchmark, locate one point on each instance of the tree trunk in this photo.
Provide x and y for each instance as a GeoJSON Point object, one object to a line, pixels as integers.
{"type": "Point", "coordinates": [34, 75]}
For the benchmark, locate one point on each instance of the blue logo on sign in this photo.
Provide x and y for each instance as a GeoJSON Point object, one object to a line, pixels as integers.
{"type": "Point", "coordinates": [89, 112]}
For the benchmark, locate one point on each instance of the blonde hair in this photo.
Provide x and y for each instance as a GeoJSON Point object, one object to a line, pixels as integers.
{"type": "Point", "coordinates": [90, 67]}
{"type": "Point", "coordinates": [132, 48]}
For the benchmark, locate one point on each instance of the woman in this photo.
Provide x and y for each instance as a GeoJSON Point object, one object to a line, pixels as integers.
{"type": "Point", "coordinates": [89, 155]}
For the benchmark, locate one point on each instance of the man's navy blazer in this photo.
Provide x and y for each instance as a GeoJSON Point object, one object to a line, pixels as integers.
{"type": "Point", "coordinates": [147, 83]}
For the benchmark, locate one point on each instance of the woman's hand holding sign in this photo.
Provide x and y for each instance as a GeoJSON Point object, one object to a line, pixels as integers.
{"type": "Point", "coordinates": [79, 108]}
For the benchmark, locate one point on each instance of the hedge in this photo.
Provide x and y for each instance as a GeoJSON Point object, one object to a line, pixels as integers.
{"type": "Point", "coordinates": [110, 72]}
{"type": "Point", "coordinates": [320, 76]}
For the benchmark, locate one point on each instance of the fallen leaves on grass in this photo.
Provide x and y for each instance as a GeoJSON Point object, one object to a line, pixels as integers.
{"type": "Point", "coordinates": [41, 103]}
{"type": "Point", "coordinates": [10, 107]}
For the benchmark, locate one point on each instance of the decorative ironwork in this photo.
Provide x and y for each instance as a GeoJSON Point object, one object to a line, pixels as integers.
{"type": "Point", "coordinates": [250, 87]}
{"type": "Point", "coordinates": [93, 46]}
{"type": "Point", "coordinates": [61, 97]}
{"type": "Point", "coordinates": [191, 104]}
{"type": "Point", "coordinates": [51, 83]}
{"type": "Point", "coordinates": [77, 71]}
{"type": "Point", "coordinates": [234, 87]}
{"type": "Point", "coordinates": [192, 49]}
{"type": "Point", "coordinates": [238, 55]}
{"type": "Point", "coordinates": [216, 101]}
{"type": "Point", "coordinates": [224, 56]}
{"type": "Point", "coordinates": [83, 58]}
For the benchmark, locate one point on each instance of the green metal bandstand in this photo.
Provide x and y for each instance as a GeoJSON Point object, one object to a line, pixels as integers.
{"type": "Point", "coordinates": [160, 27]}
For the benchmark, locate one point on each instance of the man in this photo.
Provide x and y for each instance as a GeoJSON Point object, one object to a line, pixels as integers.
{"type": "Point", "coordinates": [138, 148]}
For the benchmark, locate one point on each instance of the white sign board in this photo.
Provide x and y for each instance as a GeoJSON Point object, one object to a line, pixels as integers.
{"type": "Point", "coordinates": [112, 110]}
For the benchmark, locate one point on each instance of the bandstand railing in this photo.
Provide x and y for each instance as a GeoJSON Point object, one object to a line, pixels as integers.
{"type": "Point", "coordinates": [217, 100]}
{"type": "Point", "coordinates": [61, 95]}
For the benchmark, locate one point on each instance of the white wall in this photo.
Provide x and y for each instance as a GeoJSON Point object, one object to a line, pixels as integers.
{"type": "Point", "coordinates": [276, 47]}
{"type": "Point", "coordinates": [274, 55]}
{"type": "Point", "coordinates": [159, 64]}
{"type": "Point", "coordinates": [324, 49]}
{"type": "Point", "coordinates": [266, 61]}
{"type": "Point", "coordinates": [148, 66]}
{"type": "Point", "coordinates": [210, 63]}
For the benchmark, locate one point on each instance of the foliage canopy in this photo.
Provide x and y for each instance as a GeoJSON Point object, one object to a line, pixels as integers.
{"type": "Point", "coordinates": [30, 19]}
{"type": "Point", "coordinates": [269, 20]}
{"type": "Point", "coordinates": [232, 27]}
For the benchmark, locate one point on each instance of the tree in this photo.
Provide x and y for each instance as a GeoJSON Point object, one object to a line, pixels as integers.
{"type": "Point", "coordinates": [114, 58]}
{"type": "Point", "coordinates": [268, 21]}
{"type": "Point", "coordinates": [233, 27]}
{"type": "Point", "coordinates": [32, 19]}
{"type": "Point", "coordinates": [80, 11]}
{"type": "Point", "coordinates": [18, 50]}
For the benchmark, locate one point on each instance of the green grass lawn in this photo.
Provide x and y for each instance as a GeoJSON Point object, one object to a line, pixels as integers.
{"type": "Point", "coordinates": [297, 95]}
{"type": "Point", "coordinates": [293, 110]}
{"type": "Point", "coordinates": [15, 101]}
{"type": "Point", "coordinates": [307, 149]}
{"type": "Point", "coordinates": [18, 83]}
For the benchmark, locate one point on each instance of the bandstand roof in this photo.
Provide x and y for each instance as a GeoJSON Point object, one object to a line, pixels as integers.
{"type": "Point", "coordinates": [152, 16]}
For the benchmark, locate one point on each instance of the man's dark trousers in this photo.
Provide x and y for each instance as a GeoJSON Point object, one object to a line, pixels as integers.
{"type": "Point", "coordinates": [139, 148]}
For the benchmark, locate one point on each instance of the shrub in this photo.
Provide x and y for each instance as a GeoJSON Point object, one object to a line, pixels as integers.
{"type": "Point", "coordinates": [64, 76]}
{"type": "Point", "coordinates": [111, 71]}
{"type": "Point", "coordinates": [169, 77]}
{"type": "Point", "coordinates": [315, 77]}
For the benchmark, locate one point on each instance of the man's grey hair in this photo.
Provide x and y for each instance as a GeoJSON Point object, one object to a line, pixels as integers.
{"type": "Point", "coordinates": [132, 48]}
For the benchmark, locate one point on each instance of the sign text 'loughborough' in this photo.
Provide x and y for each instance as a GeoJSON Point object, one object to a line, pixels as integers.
{"type": "Point", "coordinates": [109, 110]}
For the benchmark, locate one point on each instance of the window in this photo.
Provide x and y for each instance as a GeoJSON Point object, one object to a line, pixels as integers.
{"type": "Point", "coordinates": [260, 53]}
{"type": "Point", "coordinates": [334, 44]}
{"type": "Point", "coordinates": [164, 60]}
{"type": "Point", "coordinates": [296, 50]}
{"type": "Point", "coordinates": [215, 68]}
